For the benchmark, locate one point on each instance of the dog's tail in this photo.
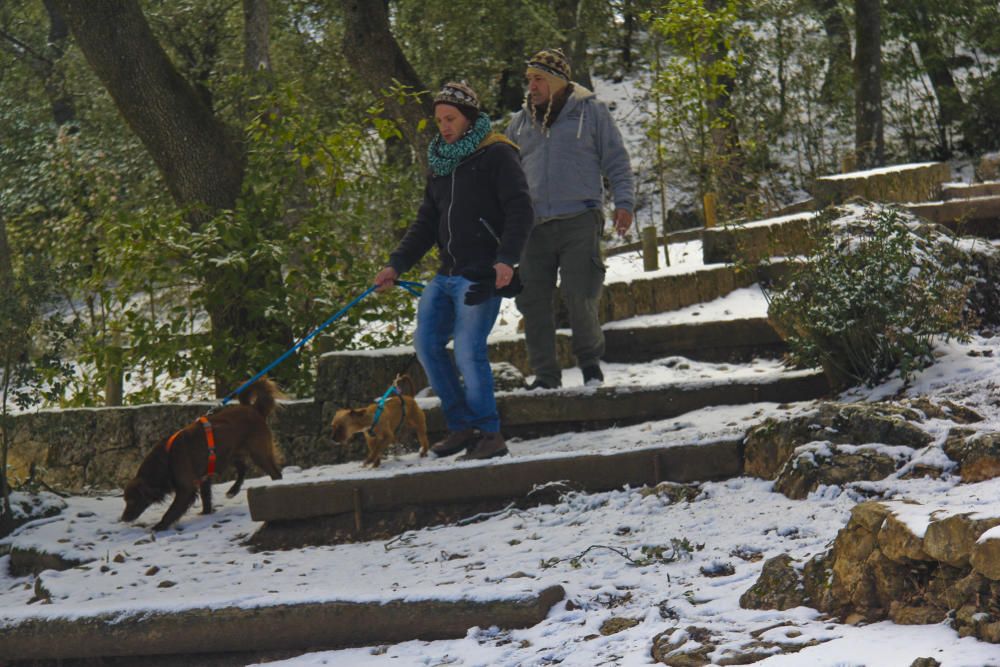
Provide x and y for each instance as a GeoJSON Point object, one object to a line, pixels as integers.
{"type": "Point", "coordinates": [263, 395]}
{"type": "Point", "coordinates": [400, 380]}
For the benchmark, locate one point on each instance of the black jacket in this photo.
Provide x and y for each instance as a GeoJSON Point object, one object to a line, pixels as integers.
{"type": "Point", "coordinates": [478, 215]}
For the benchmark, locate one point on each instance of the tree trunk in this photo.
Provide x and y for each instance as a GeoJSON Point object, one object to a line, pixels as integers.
{"type": "Point", "coordinates": [935, 62]}
{"type": "Point", "coordinates": [838, 39]}
{"type": "Point", "coordinates": [628, 37]}
{"type": "Point", "coordinates": [379, 62]}
{"type": "Point", "coordinates": [569, 16]}
{"type": "Point", "coordinates": [63, 110]}
{"type": "Point", "coordinates": [256, 37]}
{"type": "Point", "coordinates": [869, 140]}
{"type": "Point", "coordinates": [202, 162]}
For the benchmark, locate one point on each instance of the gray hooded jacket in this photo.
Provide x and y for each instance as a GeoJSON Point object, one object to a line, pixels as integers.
{"type": "Point", "coordinates": [564, 163]}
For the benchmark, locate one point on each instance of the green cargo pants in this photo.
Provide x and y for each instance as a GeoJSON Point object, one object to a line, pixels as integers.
{"type": "Point", "coordinates": [569, 248]}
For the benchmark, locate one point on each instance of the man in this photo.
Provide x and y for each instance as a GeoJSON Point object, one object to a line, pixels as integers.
{"type": "Point", "coordinates": [568, 143]}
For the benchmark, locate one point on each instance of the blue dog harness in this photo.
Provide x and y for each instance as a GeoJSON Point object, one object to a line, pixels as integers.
{"type": "Point", "coordinates": [381, 406]}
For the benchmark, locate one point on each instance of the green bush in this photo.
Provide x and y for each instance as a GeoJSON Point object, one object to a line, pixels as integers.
{"type": "Point", "coordinates": [871, 297]}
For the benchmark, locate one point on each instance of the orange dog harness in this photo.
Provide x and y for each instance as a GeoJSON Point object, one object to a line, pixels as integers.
{"type": "Point", "coordinates": [209, 439]}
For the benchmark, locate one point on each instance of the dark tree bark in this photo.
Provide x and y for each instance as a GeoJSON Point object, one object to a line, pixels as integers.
{"type": "Point", "coordinates": [869, 138]}
{"type": "Point", "coordinates": [63, 110]}
{"type": "Point", "coordinates": [201, 159]}
{"type": "Point", "coordinates": [838, 39]}
{"type": "Point", "coordinates": [569, 16]}
{"type": "Point", "coordinates": [256, 36]}
{"type": "Point", "coordinates": [379, 62]}
{"type": "Point", "coordinates": [628, 37]}
{"type": "Point", "coordinates": [918, 25]}
{"type": "Point", "coordinates": [45, 63]}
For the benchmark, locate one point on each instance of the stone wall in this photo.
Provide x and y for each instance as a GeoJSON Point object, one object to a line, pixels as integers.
{"type": "Point", "coordinates": [102, 447]}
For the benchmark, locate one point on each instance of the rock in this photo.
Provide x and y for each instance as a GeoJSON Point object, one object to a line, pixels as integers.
{"type": "Point", "coordinates": [778, 587]}
{"type": "Point", "coordinates": [672, 492]}
{"type": "Point", "coordinates": [898, 542]}
{"type": "Point", "coordinates": [670, 640]}
{"type": "Point", "coordinates": [925, 662]}
{"type": "Point", "coordinates": [985, 558]}
{"type": "Point", "coordinates": [617, 624]}
{"type": "Point", "coordinates": [944, 409]}
{"type": "Point", "coordinates": [915, 614]}
{"type": "Point", "coordinates": [820, 463]}
{"type": "Point", "coordinates": [506, 377]}
{"type": "Point", "coordinates": [977, 455]}
{"type": "Point", "coordinates": [817, 578]}
{"type": "Point", "coordinates": [851, 586]}
{"type": "Point", "coordinates": [769, 445]}
{"type": "Point", "coordinates": [950, 540]}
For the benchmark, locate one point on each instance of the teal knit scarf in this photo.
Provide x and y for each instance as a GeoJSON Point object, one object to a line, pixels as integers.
{"type": "Point", "coordinates": [444, 157]}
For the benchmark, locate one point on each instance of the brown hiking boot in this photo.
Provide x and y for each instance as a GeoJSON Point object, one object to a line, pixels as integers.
{"type": "Point", "coordinates": [455, 442]}
{"type": "Point", "coordinates": [488, 446]}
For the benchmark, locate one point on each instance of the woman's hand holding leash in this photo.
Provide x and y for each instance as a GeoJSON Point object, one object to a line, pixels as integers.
{"type": "Point", "coordinates": [385, 279]}
{"type": "Point", "coordinates": [504, 274]}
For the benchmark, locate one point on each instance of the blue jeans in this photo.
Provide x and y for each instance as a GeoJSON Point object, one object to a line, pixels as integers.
{"type": "Point", "coordinates": [442, 315]}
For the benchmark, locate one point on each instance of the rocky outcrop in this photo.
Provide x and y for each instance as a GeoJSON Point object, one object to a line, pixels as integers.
{"type": "Point", "coordinates": [977, 454]}
{"type": "Point", "coordinates": [771, 445]}
{"type": "Point", "coordinates": [881, 567]}
{"type": "Point", "coordinates": [779, 586]}
{"type": "Point", "coordinates": [824, 464]}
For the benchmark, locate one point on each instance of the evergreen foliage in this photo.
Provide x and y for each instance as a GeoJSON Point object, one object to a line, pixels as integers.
{"type": "Point", "coordinates": [870, 298]}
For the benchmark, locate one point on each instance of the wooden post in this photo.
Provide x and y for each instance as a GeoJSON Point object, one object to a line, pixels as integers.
{"type": "Point", "coordinates": [710, 214]}
{"type": "Point", "coordinates": [358, 522]}
{"type": "Point", "coordinates": [114, 386]}
{"type": "Point", "coordinates": [650, 251]}
{"type": "Point", "coordinates": [848, 163]}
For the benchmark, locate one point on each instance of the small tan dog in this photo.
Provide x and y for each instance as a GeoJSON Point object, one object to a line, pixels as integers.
{"type": "Point", "coordinates": [398, 409]}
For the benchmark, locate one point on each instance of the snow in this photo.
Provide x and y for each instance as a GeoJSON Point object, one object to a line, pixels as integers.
{"type": "Point", "coordinates": [879, 171]}
{"type": "Point", "coordinates": [203, 562]}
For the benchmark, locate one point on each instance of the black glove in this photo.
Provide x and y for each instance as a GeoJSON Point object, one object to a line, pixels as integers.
{"type": "Point", "coordinates": [483, 287]}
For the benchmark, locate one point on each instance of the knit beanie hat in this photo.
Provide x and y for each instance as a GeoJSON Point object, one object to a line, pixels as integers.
{"type": "Point", "coordinates": [553, 65]}
{"type": "Point", "coordinates": [459, 95]}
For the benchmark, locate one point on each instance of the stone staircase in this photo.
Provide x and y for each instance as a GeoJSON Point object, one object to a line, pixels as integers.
{"type": "Point", "coordinates": [360, 506]}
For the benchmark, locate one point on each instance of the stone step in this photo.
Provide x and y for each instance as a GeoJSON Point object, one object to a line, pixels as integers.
{"type": "Point", "coordinates": [784, 236]}
{"type": "Point", "coordinates": [969, 190]}
{"type": "Point", "coordinates": [348, 378]}
{"type": "Point", "coordinates": [974, 216]}
{"type": "Point", "coordinates": [546, 412]}
{"type": "Point", "coordinates": [198, 635]}
{"type": "Point", "coordinates": [381, 505]}
{"type": "Point", "coordinates": [376, 507]}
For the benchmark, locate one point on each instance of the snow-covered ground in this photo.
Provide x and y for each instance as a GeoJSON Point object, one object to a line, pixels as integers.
{"type": "Point", "coordinates": [739, 523]}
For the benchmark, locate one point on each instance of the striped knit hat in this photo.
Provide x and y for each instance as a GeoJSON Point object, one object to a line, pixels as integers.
{"type": "Point", "coordinates": [552, 62]}
{"type": "Point", "coordinates": [458, 94]}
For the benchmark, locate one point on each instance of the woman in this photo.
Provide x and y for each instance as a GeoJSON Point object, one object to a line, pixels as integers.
{"type": "Point", "coordinates": [477, 210]}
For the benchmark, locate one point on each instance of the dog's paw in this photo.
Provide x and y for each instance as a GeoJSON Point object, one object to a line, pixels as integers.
{"type": "Point", "coordinates": [423, 453]}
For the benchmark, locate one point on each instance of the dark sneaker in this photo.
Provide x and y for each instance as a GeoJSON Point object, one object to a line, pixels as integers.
{"type": "Point", "coordinates": [593, 376]}
{"type": "Point", "coordinates": [487, 447]}
{"type": "Point", "coordinates": [455, 442]}
{"type": "Point", "coordinates": [538, 384]}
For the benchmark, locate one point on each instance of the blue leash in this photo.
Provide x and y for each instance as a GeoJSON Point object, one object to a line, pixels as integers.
{"type": "Point", "coordinates": [413, 288]}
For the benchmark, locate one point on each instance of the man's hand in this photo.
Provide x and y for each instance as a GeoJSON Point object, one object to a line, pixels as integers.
{"type": "Point", "coordinates": [504, 273]}
{"type": "Point", "coordinates": [385, 279]}
{"type": "Point", "coordinates": [623, 220]}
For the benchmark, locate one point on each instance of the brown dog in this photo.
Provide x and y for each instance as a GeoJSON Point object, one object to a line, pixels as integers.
{"type": "Point", "coordinates": [180, 467]}
{"type": "Point", "coordinates": [399, 409]}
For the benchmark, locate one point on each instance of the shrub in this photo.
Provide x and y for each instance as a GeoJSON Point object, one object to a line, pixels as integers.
{"type": "Point", "coordinates": [871, 297]}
